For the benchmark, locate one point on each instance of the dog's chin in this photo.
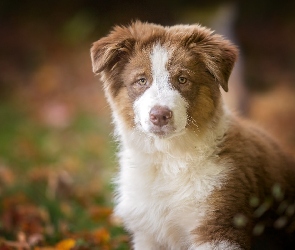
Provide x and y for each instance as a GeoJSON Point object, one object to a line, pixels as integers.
{"type": "Point", "coordinates": [165, 132]}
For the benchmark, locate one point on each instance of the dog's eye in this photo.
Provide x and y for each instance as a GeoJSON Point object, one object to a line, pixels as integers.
{"type": "Point", "coordinates": [182, 80]}
{"type": "Point", "coordinates": [142, 81]}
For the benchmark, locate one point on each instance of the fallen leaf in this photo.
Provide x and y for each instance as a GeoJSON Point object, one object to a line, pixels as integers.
{"type": "Point", "coordinates": [66, 244]}
{"type": "Point", "coordinates": [101, 235]}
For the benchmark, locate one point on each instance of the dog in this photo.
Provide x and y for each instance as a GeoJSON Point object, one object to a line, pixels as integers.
{"type": "Point", "coordinates": [192, 175]}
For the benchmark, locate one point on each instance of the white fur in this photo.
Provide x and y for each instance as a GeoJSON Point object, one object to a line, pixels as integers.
{"type": "Point", "coordinates": [163, 182]}
{"type": "Point", "coordinates": [160, 93]}
{"type": "Point", "coordinates": [161, 194]}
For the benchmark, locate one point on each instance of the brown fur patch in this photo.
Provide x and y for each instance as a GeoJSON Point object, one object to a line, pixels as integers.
{"type": "Point", "coordinates": [258, 165]}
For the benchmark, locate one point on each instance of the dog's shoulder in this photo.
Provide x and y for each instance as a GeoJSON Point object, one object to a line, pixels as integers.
{"type": "Point", "coordinates": [250, 145]}
{"type": "Point", "coordinates": [257, 160]}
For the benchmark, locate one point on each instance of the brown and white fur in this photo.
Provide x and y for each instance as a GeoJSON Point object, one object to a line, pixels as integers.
{"type": "Point", "coordinates": [189, 169]}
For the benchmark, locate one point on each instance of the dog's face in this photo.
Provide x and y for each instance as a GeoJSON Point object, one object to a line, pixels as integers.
{"type": "Point", "coordinates": [163, 81]}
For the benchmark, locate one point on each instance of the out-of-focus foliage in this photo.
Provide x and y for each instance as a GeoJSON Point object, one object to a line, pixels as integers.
{"type": "Point", "coordinates": [53, 187]}
{"type": "Point", "coordinates": [56, 155]}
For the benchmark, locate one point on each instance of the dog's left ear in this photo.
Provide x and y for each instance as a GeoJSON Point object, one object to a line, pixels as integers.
{"type": "Point", "coordinates": [218, 54]}
{"type": "Point", "coordinates": [221, 59]}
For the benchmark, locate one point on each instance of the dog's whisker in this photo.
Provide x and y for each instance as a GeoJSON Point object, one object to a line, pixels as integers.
{"type": "Point", "coordinates": [192, 121]}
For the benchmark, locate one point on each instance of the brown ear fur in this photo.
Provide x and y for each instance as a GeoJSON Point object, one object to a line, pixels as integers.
{"type": "Point", "coordinates": [218, 54]}
{"type": "Point", "coordinates": [107, 52]}
{"type": "Point", "coordinates": [110, 50]}
{"type": "Point", "coordinates": [221, 56]}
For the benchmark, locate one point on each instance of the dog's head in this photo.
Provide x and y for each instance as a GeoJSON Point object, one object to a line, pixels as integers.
{"type": "Point", "coordinates": [163, 80]}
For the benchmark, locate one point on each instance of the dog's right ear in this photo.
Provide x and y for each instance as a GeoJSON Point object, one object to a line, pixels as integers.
{"type": "Point", "coordinates": [107, 52]}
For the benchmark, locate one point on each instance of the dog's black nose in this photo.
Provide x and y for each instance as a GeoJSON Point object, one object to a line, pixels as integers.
{"type": "Point", "coordinates": [160, 115]}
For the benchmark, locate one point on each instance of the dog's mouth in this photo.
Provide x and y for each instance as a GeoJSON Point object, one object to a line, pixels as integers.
{"type": "Point", "coordinates": [162, 132]}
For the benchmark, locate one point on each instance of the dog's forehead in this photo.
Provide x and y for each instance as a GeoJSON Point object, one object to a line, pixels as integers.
{"type": "Point", "coordinates": [159, 59]}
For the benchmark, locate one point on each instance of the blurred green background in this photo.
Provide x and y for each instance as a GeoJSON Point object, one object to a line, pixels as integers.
{"type": "Point", "coordinates": [57, 155]}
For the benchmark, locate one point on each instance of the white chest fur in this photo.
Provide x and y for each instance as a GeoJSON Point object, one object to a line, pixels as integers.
{"type": "Point", "coordinates": [163, 194]}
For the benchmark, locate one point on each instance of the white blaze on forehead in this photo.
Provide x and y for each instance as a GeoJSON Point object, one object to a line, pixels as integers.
{"type": "Point", "coordinates": [159, 60]}
{"type": "Point", "coordinates": [160, 93]}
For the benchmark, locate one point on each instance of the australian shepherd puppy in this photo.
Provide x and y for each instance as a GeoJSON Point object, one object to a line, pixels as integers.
{"type": "Point", "coordinates": [192, 175]}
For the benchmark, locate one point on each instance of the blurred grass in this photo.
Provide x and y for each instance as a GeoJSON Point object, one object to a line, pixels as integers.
{"type": "Point", "coordinates": [55, 181]}
{"type": "Point", "coordinates": [25, 142]}
{"type": "Point", "coordinates": [56, 153]}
